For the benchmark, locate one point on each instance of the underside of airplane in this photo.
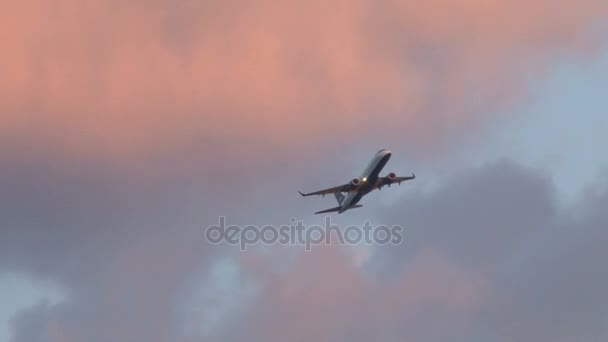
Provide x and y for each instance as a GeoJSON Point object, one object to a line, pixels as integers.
{"type": "Point", "coordinates": [348, 195]}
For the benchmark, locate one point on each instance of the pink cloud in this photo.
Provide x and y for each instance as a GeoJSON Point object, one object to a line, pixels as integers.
{"type": "Point", "coordinates": [324, 296]}
{"type": "Point", "coordinates": [131, 81]}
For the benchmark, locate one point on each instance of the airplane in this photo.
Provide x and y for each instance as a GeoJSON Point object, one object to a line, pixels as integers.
{"type": "Point", "coordinates": [359, 187]}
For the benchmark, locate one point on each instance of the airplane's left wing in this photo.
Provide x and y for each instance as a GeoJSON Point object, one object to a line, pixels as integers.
{"type": "Point", "coordinates": [329, 191]}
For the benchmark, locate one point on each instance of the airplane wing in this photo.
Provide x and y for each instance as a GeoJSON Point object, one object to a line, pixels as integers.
{"type": "Point", "coordinates": [382, 181]}
{"type": "Point", "coordinates": [329, 191]}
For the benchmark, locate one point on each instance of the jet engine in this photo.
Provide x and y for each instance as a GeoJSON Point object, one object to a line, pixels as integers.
{"type": "Point", "coordinates": [391, 176]}
{"type": "Point", "coordinates": [355, 182]}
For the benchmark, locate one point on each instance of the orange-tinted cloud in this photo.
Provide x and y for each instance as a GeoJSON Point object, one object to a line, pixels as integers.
{"type": "Point", "coordinates": [131, 80]}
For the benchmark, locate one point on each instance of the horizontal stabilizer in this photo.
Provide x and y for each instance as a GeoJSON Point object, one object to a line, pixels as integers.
{"type": "Point", "coordinates": [330, 210]}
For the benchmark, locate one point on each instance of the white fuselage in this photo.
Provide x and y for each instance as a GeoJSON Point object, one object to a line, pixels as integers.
{"type": "Point", "coordinates": [368, 179]}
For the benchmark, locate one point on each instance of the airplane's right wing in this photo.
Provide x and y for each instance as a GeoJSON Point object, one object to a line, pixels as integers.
{"type": "Point", "coordinates": [391, 179]}
{"type": "Point", "coordinates": [329, 191]}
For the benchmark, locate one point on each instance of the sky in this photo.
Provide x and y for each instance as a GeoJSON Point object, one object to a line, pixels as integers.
{"type": "Point", "coordinates": [127, 128]}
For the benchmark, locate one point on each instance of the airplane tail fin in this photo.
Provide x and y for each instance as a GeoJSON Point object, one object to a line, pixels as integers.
{"type": "Point", "coordinates": [330, 210]}
{"type": "Point", "coordinates": [339, 197]}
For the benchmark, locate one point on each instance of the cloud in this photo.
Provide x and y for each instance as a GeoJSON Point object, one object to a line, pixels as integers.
{"type": "Point", "coordinates": [324, 296]}
{"type": "Point", "coordinates": [126, 127]}
{"type": "Point", "coordinates": [543, 265]}
{"type": "Point", "coordinates": [485, 213]}
{"type": "Point", "coordinates": [139, 81]}
{"type": "Point", "coordinates": [121, 252]}
{"type": "Point", "coordinates": [487, 256]}
{"type": "Point", "coordinates": [505, 263]}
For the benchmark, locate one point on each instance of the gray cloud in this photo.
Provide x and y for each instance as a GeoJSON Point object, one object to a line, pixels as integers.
{"type": "Point", "coordinates": [120, 248]}
{"type": "Point", "coordinates": [545, 265]}
{"type": "Point", "coordinates": [525, 269]}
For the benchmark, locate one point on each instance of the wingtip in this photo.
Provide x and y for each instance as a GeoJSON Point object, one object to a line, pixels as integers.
{"type": "Point", "coordinates": [413, 175]}
{"type": "Point", "coordinates": [300, 192]}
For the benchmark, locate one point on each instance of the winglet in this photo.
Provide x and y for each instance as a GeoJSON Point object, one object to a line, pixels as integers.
{"type": "Point", "coordinates": [413, 175]}
{"type": "Point", "coordinates": [300, 192]}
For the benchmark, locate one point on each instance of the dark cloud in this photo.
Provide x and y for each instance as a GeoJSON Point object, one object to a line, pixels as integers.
{"type": "Point", "coordinates": [487, 256]}
{"type": "Point", "coordinates": [480, 216]}
{"type": "Point", "coordinates": [544, 264]}
{"type": "Point", "coordinates": [119, 247]}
